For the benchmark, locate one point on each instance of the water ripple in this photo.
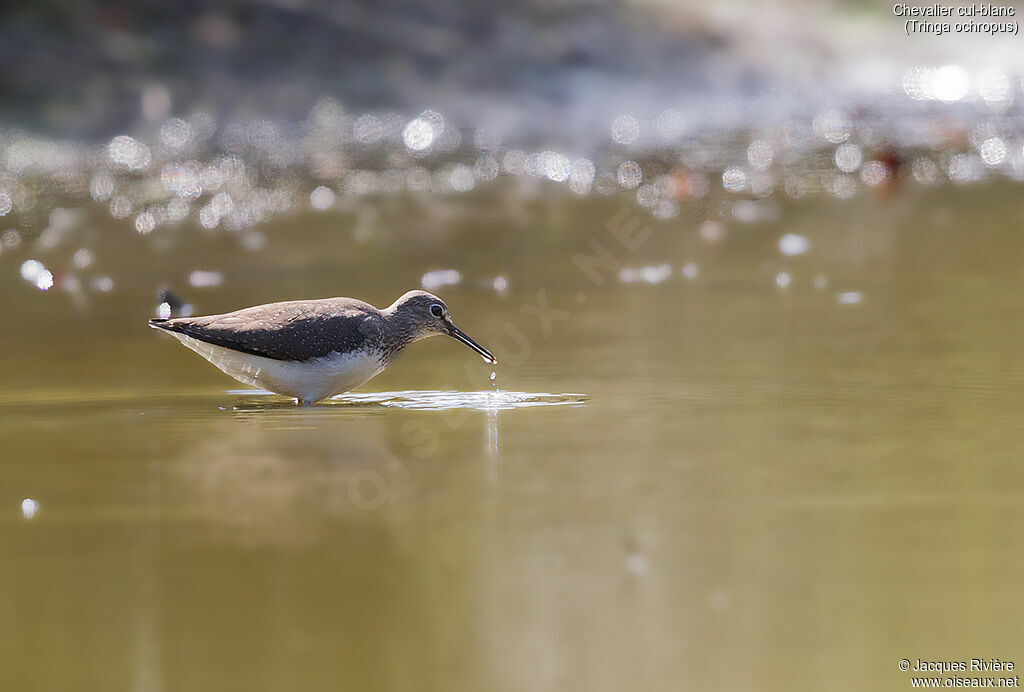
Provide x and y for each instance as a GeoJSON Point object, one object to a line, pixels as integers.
{"type": "Point", "coordinates": [483, 401]}
{"type": "Point", "coordinates": [438, 400]}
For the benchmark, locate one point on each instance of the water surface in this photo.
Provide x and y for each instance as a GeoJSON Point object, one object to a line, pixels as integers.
{"type": "Point", "coordinates": [756, 483]}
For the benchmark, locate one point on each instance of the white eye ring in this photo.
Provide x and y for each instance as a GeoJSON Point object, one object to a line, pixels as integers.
{"type": "Point", "coordinates": [436, 310]}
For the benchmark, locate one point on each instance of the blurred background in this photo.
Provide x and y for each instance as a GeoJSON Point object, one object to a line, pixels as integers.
{"type": "Point", "coordinates": [751, 271]}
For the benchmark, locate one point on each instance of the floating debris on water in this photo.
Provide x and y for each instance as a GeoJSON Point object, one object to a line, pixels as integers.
{"type": "Point", "coordinates": [629, 175]}
{"type": "Point", "coordinates": [34, 272]}
{"type": "Point", "coordinates": [29, 508]}
{"type": "Point", "coordinates": [82, 258]}
{"type": "Point", "coordinates": [793, 244]}
{"type": "Point", "coordinates": [10, 239]}
{"type": "Point", "coordinates": [322, 198]}
{"type": "Point", "coordinates": [205, 279]}
{"type": "Point", "coordinates": [652, 274]}
{"type": "Point", "coordinates": [102, 284]}
{"type": "Point", "coordinates": [171, 304]}
{"type": "Point", "coordinates": [434, 280]}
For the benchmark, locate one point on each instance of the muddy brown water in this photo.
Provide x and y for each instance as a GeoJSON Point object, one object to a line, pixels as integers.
{"type": "Point", "coordinates": [758, 487]}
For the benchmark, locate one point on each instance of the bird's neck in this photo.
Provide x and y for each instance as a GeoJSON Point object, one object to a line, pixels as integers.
{"type": "Point", "coordinates": [400, 332]}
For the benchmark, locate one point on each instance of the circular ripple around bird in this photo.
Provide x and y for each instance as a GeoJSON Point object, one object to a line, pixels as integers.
{"type": "Point", "coordinates": [443, 400]}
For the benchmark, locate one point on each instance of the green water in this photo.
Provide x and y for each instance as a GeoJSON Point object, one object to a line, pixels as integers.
{"type": "Point", "coordinates": [765, 488]}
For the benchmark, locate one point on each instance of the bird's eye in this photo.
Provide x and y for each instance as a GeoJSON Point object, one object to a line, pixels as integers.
{"type": "Point", "coordinates": [436, 310]}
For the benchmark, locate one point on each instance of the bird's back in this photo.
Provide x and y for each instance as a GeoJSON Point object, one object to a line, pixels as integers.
{"type": "Point", "coordinates": [297, 330]}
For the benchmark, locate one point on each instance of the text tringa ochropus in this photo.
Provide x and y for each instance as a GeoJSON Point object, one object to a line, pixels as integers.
{"type": "Point", "coordinates": [313, 349]}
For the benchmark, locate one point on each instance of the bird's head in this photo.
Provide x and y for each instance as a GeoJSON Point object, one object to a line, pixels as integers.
{"type": "Point", "coordinates": [422, 314]}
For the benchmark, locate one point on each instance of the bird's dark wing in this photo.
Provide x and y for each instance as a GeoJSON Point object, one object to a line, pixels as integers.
{"type": "Point", "coordinates": [295, 330]}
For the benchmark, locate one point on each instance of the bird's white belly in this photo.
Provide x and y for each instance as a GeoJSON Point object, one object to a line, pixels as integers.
{"type": "Point", "coordinates": [309, 381]}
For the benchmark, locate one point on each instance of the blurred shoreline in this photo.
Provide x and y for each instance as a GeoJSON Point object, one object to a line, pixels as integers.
{"type": "Point", "coordinates": [535, 74]}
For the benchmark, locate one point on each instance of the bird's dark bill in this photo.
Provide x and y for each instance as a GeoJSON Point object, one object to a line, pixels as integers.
{"type": "Point", "coordinates": [464, 338]}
